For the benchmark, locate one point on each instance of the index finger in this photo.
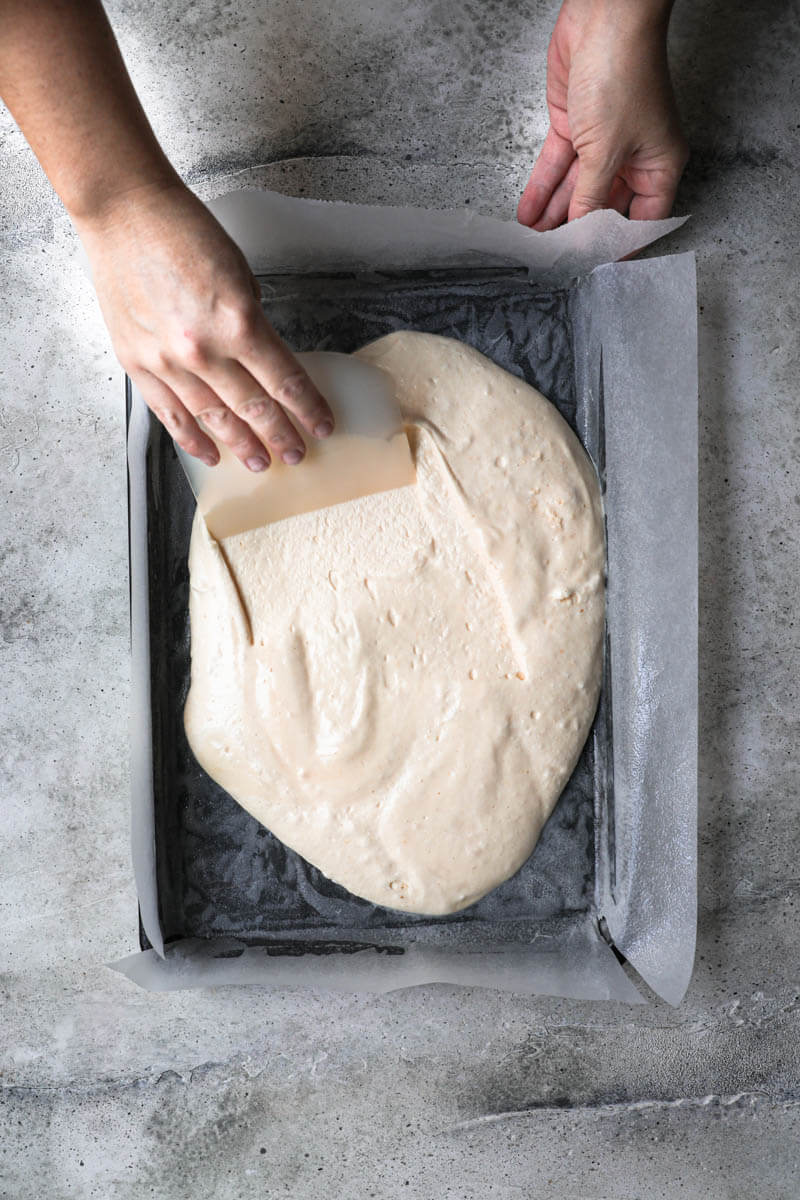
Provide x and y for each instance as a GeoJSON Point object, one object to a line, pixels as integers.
{"type": "Point", "coordinates": [272, 364]}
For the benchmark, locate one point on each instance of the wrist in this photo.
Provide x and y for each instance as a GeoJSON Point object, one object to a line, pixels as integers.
{"type": "Point", "coordinates": [104, 202]}
{"type": "Point", "coordinates": [101, 200]}
{"type": "Point", "coordinates": [629, 16]}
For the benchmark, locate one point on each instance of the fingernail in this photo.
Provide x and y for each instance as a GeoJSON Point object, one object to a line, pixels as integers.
{"type": "Point", "coordinates": [292, 457]}
{"type": "Point", "coordinates": [324, 429]}
{"type": "Point", "coordinates": [257, 463]}
{"type": "Point", "coordinates": [211, 460]}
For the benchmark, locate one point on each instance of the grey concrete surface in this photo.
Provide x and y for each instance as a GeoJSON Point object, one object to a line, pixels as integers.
{"type": "Point", "coordinates": [112, 1093]}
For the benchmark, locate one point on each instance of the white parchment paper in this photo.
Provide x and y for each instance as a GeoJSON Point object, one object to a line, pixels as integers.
{"type": "Point", "coordinates": [638, 317]}
{"type": "Point", "coordinates": [285, 233]}
{"type": "Point", "coordinates": [636, 363]}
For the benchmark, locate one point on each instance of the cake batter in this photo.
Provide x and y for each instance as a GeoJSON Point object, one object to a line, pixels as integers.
{"type": "Point", "coordinates": [399, 687]}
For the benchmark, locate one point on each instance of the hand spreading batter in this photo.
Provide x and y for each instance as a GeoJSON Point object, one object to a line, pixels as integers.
{"type": "Point", "coordinates": [180, 302]}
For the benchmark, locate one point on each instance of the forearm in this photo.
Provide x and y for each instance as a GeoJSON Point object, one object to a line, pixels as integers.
{"type": "Point", "coordinates": [64, 82]}
{"type": "Point", "coordinates": [639, 15]}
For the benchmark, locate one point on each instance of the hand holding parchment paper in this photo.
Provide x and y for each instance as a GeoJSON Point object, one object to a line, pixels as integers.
{"type": "Point", "coordinates": [175, 292]}
{"type": "Point", "coordinates": [614, 139]}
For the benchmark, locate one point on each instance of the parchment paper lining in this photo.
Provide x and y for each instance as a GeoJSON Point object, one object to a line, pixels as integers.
{"type": "Point", "coordinates": [546, 925]}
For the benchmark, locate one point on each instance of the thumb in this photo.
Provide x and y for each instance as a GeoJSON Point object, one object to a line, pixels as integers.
{"type": "Point", "coordinates": [592, 187]}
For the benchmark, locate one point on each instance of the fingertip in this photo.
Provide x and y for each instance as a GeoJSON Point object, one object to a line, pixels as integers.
{"type": "Point", "coordinates": [547, 222]}
{"type": "Point", "coordinates": [324, 428]}
{"type": "Point", "coordinates": [650, 208]}
{"type": "Point", "coordinates": [257, 462]}
{"type": "Point", "coordinates": [533, 202]}
{"type": "Point", "coordinates": [529, 208]}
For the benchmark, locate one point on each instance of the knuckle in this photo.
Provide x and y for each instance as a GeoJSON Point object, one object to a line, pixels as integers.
{"type": "Point", "coordinates": [257, 408]}
{"type": "Point", "coordinates": [241, 321]}
{"type": "Point", "coordinates": [588, 203]}
{"type": "Point", "coordinates": [193, 352]}
{"type": "Point", "coordinates": [291, 388]}
{"type": "Point", "coordinates": [172, 419]}
{"type": "Point", "coordinates": [167, 416]}
{"type": "Point", "coordinates": [217, 416]}
{"type": "Point", "coordinates": [160, 364]}
{"type": "Point", "coordinates": [192, 445]}
{"type": "Point", "coordinates": [269, 417]}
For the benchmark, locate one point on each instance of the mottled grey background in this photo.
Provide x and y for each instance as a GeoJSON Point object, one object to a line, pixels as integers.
{"type": "Point", "coordinates": [110, 1092]}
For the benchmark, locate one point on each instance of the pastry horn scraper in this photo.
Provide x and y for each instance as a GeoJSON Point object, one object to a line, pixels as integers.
{"type": "Point", "coordinates": [367, 452]}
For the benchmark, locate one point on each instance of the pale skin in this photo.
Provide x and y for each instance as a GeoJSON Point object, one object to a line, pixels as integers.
{"type": "Point", "coordinates": [176, 293]}
{"type": "Point", "coordinates": [614, 139]}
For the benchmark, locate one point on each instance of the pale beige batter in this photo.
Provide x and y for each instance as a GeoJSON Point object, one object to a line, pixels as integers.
{"type": "Point", "coordinates": [399, 686]}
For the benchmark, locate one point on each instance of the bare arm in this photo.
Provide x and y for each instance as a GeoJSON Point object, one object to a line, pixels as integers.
{"type": "Point", "coordinates": [64, 81]}
{"type": "Point", "coordinates": [176, 293]}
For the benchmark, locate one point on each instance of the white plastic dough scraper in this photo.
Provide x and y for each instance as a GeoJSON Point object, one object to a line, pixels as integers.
{"type": "Point", "coordinates": [367, 452]}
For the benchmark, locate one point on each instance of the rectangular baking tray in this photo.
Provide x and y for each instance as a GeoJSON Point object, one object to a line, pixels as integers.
{"type": "Point", "coordinates": [225, 885]}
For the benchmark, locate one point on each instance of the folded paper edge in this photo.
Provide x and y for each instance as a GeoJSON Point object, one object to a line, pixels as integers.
{"type": "Point", "coordinates": [584, 969]}
{"type": "Point", "coordinates": [663, 954]}
{"type": "Point", "coordinates": [285, 233]}
{"type": "Point", "coordinates": [143, 846]}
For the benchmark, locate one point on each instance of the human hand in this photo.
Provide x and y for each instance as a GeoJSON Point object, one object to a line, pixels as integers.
{"type": "Point", "coordinates": [614, 139]}
{"type": "Point", "coordinates": [186, 323]}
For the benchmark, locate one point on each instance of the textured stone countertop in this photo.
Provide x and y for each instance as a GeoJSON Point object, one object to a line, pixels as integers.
{"type": "Point", "coordinates": [108, 1091]}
